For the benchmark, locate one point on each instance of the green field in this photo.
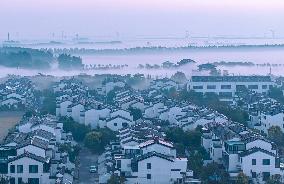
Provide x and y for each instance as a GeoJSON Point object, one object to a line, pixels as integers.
{"type": "Point", "coordinates": [8, 120]}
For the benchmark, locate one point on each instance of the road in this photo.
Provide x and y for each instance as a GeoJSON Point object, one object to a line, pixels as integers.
{"type": "Point", "coordinates": [86, 159]}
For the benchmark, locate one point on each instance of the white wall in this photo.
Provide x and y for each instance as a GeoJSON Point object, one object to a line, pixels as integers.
{"type": "Point", "coordinates": [247, 166]}
{"type": "Point", "coordinates": [43, 177]}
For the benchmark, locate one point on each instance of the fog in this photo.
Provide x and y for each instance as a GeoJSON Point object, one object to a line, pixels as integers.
{"type": "Point", "coordinates": [257, 56]}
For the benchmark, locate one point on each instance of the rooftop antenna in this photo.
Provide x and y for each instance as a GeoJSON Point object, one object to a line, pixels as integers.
{"type": "Point", "coordinates": [8, 36]}
{"type": "Point", "coordinates": [117, 35]}
{"type": "Point", "coordinates": [272, 33]}
{"type": "Point", "coordinates": [186, 34]}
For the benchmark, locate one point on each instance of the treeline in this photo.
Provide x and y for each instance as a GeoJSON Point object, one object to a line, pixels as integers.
{"type": "Point", "coordinates": [25, 58]}
{"type": "Point", "coordinates": [15, 57]}
{"type": "Point", "coordinates": [158, 48]}
{"type": "Point", "coordinates": [167, 64]}
{"type": "Point", "coordinates": [66, 61]}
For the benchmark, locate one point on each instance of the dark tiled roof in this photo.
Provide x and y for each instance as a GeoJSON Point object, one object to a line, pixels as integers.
{"type": "Point", "coordinates": [254, 150]}
{"type": "Point", "coordinates": [35, 142]}
{"type": "Point", "coordinates": [30, 155]}
{"type": "Point", "coordinates": [152, 154]}
{"type": "Point", "coordinates": [230, 79]}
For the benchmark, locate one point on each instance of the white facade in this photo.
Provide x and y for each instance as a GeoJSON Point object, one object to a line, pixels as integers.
{"type": "Point", "coordinates": [228, 88]}
{"type": "Point", "coordinates": [256, 169]}
{"type": "Point", "coordinates": [92, 116]}
{"type": "Point", "coordinates": [25, 175]}
{"type": "Point", "coordinates": [118, 123]}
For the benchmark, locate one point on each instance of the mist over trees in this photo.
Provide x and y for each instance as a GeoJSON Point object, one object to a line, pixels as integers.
{"type": "Point", "coordinates": [25, 58]}
{"type": "Point", "coordinates": [14, 57]}
{"type": "Point", "coordinates": [66, 61]}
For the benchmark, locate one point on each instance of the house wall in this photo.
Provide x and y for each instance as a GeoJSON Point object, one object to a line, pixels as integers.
{"type": "Point", "coordinates": [118, 121]}
{"type": "Point", "coordinates": [92, 116]}
{"type": "Point", "coordinates": [63, 107]}
{"type": "Point", "coordinates": [43, 177]}
{"type": "Point", "coordinates": [259, 168]}
{"type": "Point", "coordinates": [160, 171]}
{"type": "Point", "coordinates": [76, 112]}
{"type": "Point", "coordinates": [268, 121]}
{"type": "Point", "coordinates": [233, 86]}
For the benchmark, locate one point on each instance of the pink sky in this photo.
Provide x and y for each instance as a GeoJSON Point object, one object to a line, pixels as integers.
{"type": "Point", "coordinates": [141, 17]}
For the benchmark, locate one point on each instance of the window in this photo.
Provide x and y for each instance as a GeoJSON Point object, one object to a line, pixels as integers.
{"type": "Point", "coordinates": [266, 162]}
{"type": "Point", "coordinates": [226, 94]}
{"type": "Point", "coordinates": [118, 163]}
{"type": "Point", "coordinates": [20, 180]}
{"type": "Point", "coordinates": [252, 86]}
{"type": "Point", "coordinates": [19, 168]}
{"type": "Point", "coordinates": [12, 168]}
{"type": "Point", "coordinates": [33, 168]}
{"type": "Point", "coordinates": [225, 86]}
{"type": "Point", "coordinates": [115, 124]}
{"type": "Point", "coordinates": [264, 86]}
{"type": "Point", "coordinates": [12, 180]}
{"type": "Point", "coordinates": [240, 87]}
{"type": "Point", "coordinates": [148, 165]}
{"type": "Point", "coordinates": [46, 167]}
{"type": "Point", "coordinates": [124, 124]}
{"type": "Point", "coordinates": [253, 162]}
{"type": "Point", "coordinates": [211, 87]}
{"type": "Point", "coordinates": [253, 174]}
{"type": "Point", "coordinates": [148, 176]}
{"type": "Point", "coordinates": [33, 181]}
{"type": "Point", "coordinates": [265, 175]}
{"type": "Point", "coordinates": [197, 87]}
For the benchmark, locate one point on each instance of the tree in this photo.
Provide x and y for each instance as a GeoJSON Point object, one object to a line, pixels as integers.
{"type": "Point", "coordinates": [116, 180]}
{"type": "Point", "coordinates": [274, 179]}
{"type": "Point", "coordinates": [49, 102]}
{"type": "Point", "coordinates": [179, 77]}
{"type": "Point", "coordinates": [97, 140]}
{"type": "Point", "coordinates": [93, 141]}
{"type": "Point", "coordinates": [195, 163]}
{"type": "Point", "coordinates": [242, 179]}
{"type": "Point", "coordinates": [136, 113]}
{"type": "Point", "coordinates": [276, 135]}
{"type": "Point", "coordinates": [4, 179]}
{"type": "Point", "coordinates": [78, 131]}
{"type": "Point", "coordinates": [66, 61]}
{"type": "Point", "coordinates": [277, 94]}
{"type": "Point", "coordinates": [214, 174]}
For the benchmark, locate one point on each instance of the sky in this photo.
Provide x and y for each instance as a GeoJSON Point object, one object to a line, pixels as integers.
{"type": "Point", "coordinates": [26, 19]}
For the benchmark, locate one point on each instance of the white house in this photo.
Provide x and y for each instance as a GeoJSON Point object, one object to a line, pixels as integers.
{"type": "Point", "coordinates": [29, 168]}
{"type": "Point", "coordinates": [116, 123]}
{"type": "Point", "coordinates": [74, 111]}
{"type": "Point", "coordinates": [227, 86]}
